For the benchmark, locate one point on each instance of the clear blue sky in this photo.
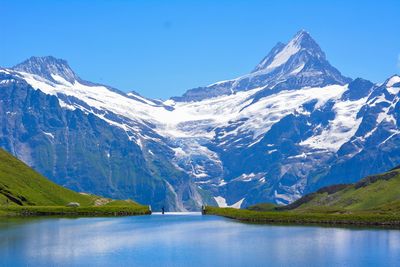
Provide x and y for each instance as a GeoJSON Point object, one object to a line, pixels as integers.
{"type": "Point", "coordinates": [163, 48]}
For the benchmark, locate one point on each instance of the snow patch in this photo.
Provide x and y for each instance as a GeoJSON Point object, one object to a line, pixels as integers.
{"type": "Point", "coordinates": [222, 183]}
{"type": "Point", "coordinates": [284, 197]}
{"type": "Point", "coordinates": [297, 70]}
{"type": "Point", "coordinates": [282, 57]}
{"type": "Point", "coordinates": [4, 71]}
{"type": "Point", "coordinates": [221, 201]}
{"type": "Point", "coordinates": [49, 134]}
{"type": "Point", "coordinates": [392, 81]}
{"type": "Point", "coordinates": [238, 204]}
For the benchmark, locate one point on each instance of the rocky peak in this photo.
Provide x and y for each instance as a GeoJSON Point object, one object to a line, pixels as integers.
{"type": "Point", "coordinates": [48, 67]}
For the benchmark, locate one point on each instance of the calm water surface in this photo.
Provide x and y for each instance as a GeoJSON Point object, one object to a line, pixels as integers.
{"type": "Point", "coordinates": [189, 240]}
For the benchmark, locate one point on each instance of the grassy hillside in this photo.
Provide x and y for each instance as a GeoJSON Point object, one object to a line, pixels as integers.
{"type": "Point", "coordinates": [24, 191]}
{"type": "Point", "coordinates": [377, 193]}
{"type": "Point", "coordinates": [374, 200]}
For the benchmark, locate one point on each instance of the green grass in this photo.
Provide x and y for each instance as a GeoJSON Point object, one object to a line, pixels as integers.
{"type": "Point", "coordinates": [263, 207]}
{"type": "Point", "coordinates": [290, 217]}
{"type": "Point", "coordinates": [80, 211]}
{"type": "Point", "coordinates": [24, 192]}
{"type": "Point", "coordinates": [375, 200]}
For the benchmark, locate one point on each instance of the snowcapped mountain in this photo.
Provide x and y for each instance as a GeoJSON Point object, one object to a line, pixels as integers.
{"type": "Point", "coordinates": [299, 63]}
{"type": "Point", "coordinates": [290, 126]}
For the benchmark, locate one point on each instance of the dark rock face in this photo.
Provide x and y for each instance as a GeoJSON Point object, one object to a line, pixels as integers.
{"type": "Point", "coordinates": [359, 88]}
{"type": "Point", "coordinates": [46, 67]}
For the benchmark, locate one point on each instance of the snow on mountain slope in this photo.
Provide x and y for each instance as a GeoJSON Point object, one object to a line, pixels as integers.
{"type": "Point", "coordinates": [284, 55]}
{"type": "Point", "coordinates": [260, 116]}
{"type": "Point", "coordinates": [96, 96]}
{"type": "Point", "coordinates": [375, 146]}
{"type": "Point", "coordinates": [176, 120]}
{"type": "Point", "coordinates": [340, 129]}
{"type": "Point", "coordinates": [179, 121]}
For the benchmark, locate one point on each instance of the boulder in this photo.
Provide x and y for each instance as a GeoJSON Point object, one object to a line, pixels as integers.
{"type": "Point", "coordinates": [73, 204]}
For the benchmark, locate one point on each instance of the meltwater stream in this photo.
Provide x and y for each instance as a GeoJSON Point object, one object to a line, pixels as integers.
{"type": "Point", "coordinates": [189, 240]}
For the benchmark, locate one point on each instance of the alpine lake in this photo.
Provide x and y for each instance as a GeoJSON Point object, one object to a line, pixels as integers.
{"type": "Point", "coordinates": [189, 239]}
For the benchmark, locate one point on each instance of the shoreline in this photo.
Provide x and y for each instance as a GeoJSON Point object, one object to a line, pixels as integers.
{"type": "Point", "coordinates": [61, 211]}
{"type": "Point", "coordinates": [292, 218]}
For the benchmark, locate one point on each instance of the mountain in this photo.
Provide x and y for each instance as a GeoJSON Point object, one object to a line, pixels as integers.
{"type": "Point", "coordinates": [297, 64]}
{"type": "Point", "coordinates": [291, 126]}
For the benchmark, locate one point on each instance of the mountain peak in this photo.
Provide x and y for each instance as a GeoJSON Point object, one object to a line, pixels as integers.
{"type": "Point", "coordinates": [47, 67]}
{"type": "Point", "coordinates": [281, 53]}
{"type": "Point", "coordinates": [302, 34]}
{"type": "Point", "coordinates": [304, 40]}
{"type": "Point", "coordinates": [299, 63]}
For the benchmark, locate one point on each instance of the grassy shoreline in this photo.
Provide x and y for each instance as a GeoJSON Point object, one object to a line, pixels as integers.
{"type": "Point", "coordinates": [103, 211]}
{"type": "Point", "coordinates": [299, 218]}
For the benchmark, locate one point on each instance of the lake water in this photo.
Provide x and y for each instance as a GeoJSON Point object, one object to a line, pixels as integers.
{"type": "Point", "coordinates": [189, 240]}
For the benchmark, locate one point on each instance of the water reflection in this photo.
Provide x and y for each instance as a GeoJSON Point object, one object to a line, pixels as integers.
{"type": "Point", "coordinates": [190, 240]}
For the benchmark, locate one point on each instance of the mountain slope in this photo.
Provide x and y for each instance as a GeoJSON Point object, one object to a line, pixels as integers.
{"type": "Point", "coordinates": [21, 185]}
{"type": "Point", "coordinates": [376, 140]}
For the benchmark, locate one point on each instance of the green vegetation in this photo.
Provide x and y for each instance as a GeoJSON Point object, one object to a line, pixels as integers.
{"type": "Point", "coordinates": [24, 192]}
{"type": "Point", "coordinates": [374, 200]}
{"type": "Point", "coordinates": [290, 217]}
{"type": "Point", "coordinates": [80, 211]}
{"type": "Point", "coordinates": [263, 207]}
